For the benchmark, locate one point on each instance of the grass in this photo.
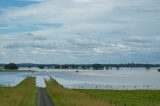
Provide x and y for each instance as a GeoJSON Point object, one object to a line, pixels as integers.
{"type": "Point", "coordinates": [69, 97]}
{"type": "Point", "coordinates": [127, 97]}
{"type": "Point", "coordinates": [23, 94]}
{"type": "Point", "coordinates": [7, 70]}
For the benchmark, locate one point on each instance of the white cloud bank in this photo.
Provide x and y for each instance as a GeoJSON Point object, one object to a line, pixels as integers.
{"type": "Point", "coordinates": [81, 31]}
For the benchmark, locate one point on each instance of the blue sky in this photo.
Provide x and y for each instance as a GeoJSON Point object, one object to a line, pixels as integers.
{"type": "Point", "coordinates": [79, 31]}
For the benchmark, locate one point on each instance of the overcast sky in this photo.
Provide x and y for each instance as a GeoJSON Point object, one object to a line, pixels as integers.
{"type": "Point", "coordinates": [80, 31]}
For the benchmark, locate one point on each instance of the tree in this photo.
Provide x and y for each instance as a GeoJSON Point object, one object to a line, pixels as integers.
{"type": "Point", "coordinates": [65, 66]}
{"type": "Point", "coordinates": [117, 67]}
{"type": "Point", "coordinates": [107, 68]}
{"type": "Point", "coordinates": [57, 67]}
{"type": "Point", "coordinates": [97, 66]}
{"type": "Point", "coordinates": [158, 70]}
{"type": "Point", "coordinates": [147, 68]}
{"type": "Point", "coordinates": [11, 66]}
{"type": "Point", "coordinates": [41, 67]}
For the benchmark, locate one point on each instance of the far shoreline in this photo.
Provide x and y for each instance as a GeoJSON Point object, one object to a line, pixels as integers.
{"type": "Point", "coordinates": [10, 70]}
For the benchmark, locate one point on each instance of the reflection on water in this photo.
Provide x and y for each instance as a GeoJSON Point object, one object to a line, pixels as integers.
{"type": "Point", "coordinates": [138, 78]}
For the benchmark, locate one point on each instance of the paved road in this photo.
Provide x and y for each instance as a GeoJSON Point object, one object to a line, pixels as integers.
{"type": "Point", "coordinates": [43, 98]}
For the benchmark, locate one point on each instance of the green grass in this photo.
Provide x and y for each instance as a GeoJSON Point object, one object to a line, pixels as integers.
{"type": "Point", "coordinates": [23, 94]}
{"type": "Point", "coordinates": [7, 70]}
{"type": "Point", "coordinates": [127, 97]}
{"type": "Point", "coordinates": [68, 97]}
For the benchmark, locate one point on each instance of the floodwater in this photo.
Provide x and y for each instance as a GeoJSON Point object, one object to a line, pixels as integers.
{"type": "Point", "coordinates": [10, 79]}
{"type": "Point", "coordinates": [125, 78]}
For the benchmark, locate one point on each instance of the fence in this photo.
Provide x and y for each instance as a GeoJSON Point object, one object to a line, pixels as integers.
{"type": "Point", "coordinates": [114, 87]}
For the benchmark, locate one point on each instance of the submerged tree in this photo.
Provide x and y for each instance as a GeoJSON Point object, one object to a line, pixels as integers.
{"type": "Point", "coordinates": [117, 67]}
{"type": "Point", "coordinates": [41, 67]}
{"type": "Point", "coordinates": [57, 67]}
{"type": "Point", "coordinates": [12, 66]}
{"type": "Point", "coordinates": [97, 66]}
{"type": "Point", "coordinates": [65, 66]}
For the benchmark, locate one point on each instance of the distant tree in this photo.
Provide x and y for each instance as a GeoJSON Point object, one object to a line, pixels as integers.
{"type": "Point", "coordinates": [57, 67]}
{"type": "Point", "coordinates": [65, 66]}
{"type": "Point", "coordinates": [97, 66]}
{"type": "Point", "coordinates": [107, 68]}
{"type": "Point", "coordinates": [117, 67]}
{"type": "Point", "coordinates": [41, 67]}
{"type": "Point", "coordinates": [77, 71]}
{"type": "Point", "coordinates": [147, 68]}
{"type": "Point", "coordinates": [158, 70]}
{"type": "Point", "coordinates": [11, 66]}
{"type": "Point", "coordinates": [84, 67]}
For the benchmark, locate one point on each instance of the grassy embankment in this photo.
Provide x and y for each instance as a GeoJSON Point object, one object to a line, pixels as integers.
{"type": "Point", "coordinates": [7, 70]}
{"type": "Point", "coordinates": [23, 94]}
{"type": "Point", "coordinates": [69, 97]}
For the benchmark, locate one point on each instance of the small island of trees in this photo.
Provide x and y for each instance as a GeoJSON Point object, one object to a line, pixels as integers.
{"type": "Point", "coordinates": [97, 66]}
{"type": "Point", "coordinates": [11, 66]}
{"type": "Point", "coordinates": [41, 66]}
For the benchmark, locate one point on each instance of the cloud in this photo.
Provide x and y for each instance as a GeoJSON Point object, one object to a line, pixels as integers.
{"type": "Point", "coordinates": [80, 30]}
{"type": "Point", "coordinates": [32, 0]}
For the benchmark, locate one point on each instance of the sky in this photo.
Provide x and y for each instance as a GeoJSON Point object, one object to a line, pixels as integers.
{"type": "Point", "coordinates": [79, 31]}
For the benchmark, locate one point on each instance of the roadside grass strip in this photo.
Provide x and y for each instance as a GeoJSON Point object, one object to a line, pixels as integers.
{"type": "Point", "coordinates": [23, 94]}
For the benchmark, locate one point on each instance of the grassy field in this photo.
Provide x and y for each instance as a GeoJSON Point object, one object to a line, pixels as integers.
{"type": "Point", "coordinates": [23, 94]}
{"type": "Point", "coordinates": [127, 98]}
{"type": "Point", "coordinates": [6, 70]}
{"type": "Point", "coordinates": [67, 97]}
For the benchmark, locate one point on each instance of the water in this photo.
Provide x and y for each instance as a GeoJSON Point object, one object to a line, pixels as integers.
{"type": "Point", "coordinates": [10, 79]}
{"type": "Point", "coordinates": [122, 79]}
{"type": "Point", "coordinates": [125, 78]}
{"type": "Point", "coordinates": [40, 81]}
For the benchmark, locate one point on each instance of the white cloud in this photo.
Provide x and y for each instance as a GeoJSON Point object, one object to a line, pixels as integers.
{"type": "Point", "coordinates": [87, 28]}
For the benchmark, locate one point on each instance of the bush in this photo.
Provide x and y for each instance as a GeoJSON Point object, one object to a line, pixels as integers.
{"type": "Point", "coordinates": [11, 66]}
{"type": "Point", "coordinates": [158, 70]}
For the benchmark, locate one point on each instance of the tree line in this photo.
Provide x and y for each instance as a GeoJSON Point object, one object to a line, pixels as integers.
{"type": "Point", "coordinates": [78, 66]}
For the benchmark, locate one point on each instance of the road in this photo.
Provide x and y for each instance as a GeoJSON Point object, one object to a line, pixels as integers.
{"type": "Point", "coordinates": [43, 98]}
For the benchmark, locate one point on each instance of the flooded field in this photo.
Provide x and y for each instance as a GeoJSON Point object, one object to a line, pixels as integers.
{"type": "Point", "coordinates": [125, 78]}
{"type": "Point", "coordinates": [10, 79]}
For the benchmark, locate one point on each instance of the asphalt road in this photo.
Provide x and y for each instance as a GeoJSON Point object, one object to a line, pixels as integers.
{"type": "Point", "coordinates": [43, 98]}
